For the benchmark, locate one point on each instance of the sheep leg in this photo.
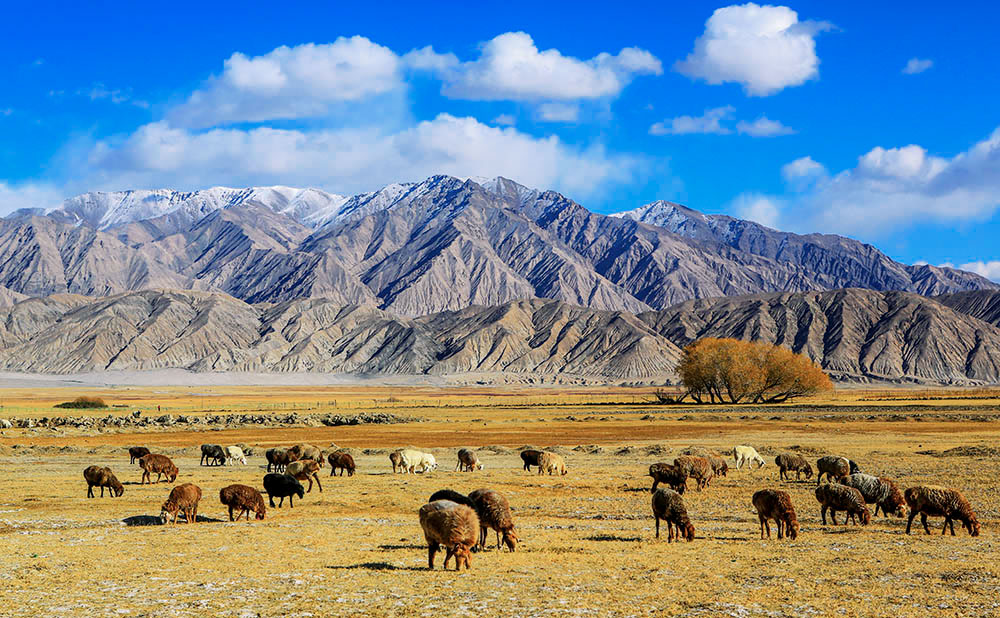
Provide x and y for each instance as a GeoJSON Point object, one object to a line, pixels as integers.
{"type": "Point", "coordinates": [318, 484]}
{"type": "Point", "coordinates": [781, 528]}
{"type": "Point", "coordinates": [449, 552]}
{"type": "Point", "coordinates": [432, 549]}
{"type": "Point", "coordinates": [822, 514]}
{"type": "Point", "coordinates": [923, 520]}
{"type": "Point", "coordinates": [761, 517]}
{"type": "Point", "coordinates": [909, 522]}
{"type": "Point", "coordinates": [657, 519]}
{"type": "Point", "coordinates": [90, 490]}
{"type": "Point", "coordinates": [291, 501]}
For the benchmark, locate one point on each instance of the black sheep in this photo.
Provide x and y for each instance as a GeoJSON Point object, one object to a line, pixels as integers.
{"type": "Point", "coordinates": [282, 486]}
{"type": "Point", "coordinates": [454, 496]}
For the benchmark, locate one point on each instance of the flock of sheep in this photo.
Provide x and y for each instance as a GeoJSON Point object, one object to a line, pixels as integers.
{"type": "Point", "coordinates": [459, 523]}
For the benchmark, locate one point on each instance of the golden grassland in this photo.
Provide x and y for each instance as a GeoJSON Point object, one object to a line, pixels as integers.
{"type": "Point", "coordinates": [587, 537]}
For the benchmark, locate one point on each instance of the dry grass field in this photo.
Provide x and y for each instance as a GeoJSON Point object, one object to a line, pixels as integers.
{"type": "Point", "coordinates": [587, 537]}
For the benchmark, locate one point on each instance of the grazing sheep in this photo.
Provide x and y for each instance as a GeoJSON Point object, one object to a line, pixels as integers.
{"type": "Point", "coordinates": [160, 464]}
{"type": "Point", "coordinates": [396, 458]}
{"type": "Point", "coordinates": [494, 512]}
{"type": "Point", "coordinates": [246, 449]}
{"type": "Point", "coordinates": [415, 460]}
{"type": "Point", "coordinates": [305, 470]}
{"type": "Point", "coordinates": [234, 455]}
{"type": "Point", "coordinates": [747, 455]}
{"type": "Point", "coordinates": [697, 468]}
{"type": "Point", "coordinates": [101, 476]}
{"type": "Point", "coordinates": [454, 496]}
{"type": "Point", "coordinates": [279, 458]}
{"type": "Point", "coordinates": [551, 463]}
{"type": "Point", "coordinates": [455, 526]}
{"type": "Point", "coordinates": [183, 499]}
{"type": "Point", "coordinates": [530, 458]}
{"type": "Point", "coordinates": [777, 505]}
{"type": "Point", "coordinates": [668, 505]}
{"type": "Point", "coordinates": [881, 492]}
{"type": "Point", "coordinates": [212, 454]}
{"type": "Point", "coordinates": [242, 499]}
{"type": "Point", "coordinates": [833, 466]}
{"type": "Point", "coordinates": [719, 465]}
{"type": "Point", "coordinates": [940, 502]}
{"type": "Point", "coordinates": [842, 498]}
{"type": "Point", "coordinates": [341, 460]}
{"type": "Point", "coordinates": [136, 452]}
{"type": "Point", "coordinates": [792, 462]}
{"type": "Point", "coordinates": [669, 475]}
{"type": "Point", "coordinates": [307, 451]}
{"type": "Point", "coordinates": [282, 486]}
{"type": "Point", "coordinates": [468, 461]}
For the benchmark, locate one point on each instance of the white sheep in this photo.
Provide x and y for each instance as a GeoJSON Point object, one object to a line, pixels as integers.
{"type": "Point", "coordinates": [413, 460]}
{"type": "Point", "coordinates": [747, 455]}
{"type": "Point", "coordinates": [235, 454]}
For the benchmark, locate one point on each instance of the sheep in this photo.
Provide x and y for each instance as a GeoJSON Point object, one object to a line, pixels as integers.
{"type": "Point", "coordinates": [494, 512]}
{"type": "Point", "coordinates": [792, 462]}
{"type": "Point", "coordinates": [396, 458]}
{"type": "Point", "coordinates": [242, 499]}
{"type": "Point", "coordinates": [455, 526]}
{"type": "Point", "coordinates": [697, 468]}
{"type": "Point", "coordinates": [212, 454]}
{"type": "Point", "coordinates": [468, 461]}
{"type": "Point", "coordinates": [881, 492]}
{"type": "Point", "coordinates": [668, 474]}
{"type": "Point", "coordinates": [940, 502]}
{"type": "Point", "coordinates": [530, 458]}
{"type": "Point", "coordinates": [833, 466]}
{"type": "Point", "coordinates": [160, 464]}
{"type": "Point", "coordinates": [136, 452]}
{"type": "Point", "coordinates": [235, 454]}
{"type": "Point", "coordinates": [719, 465]}
{"type": "Point", "coordinates": [101, 476]}
{"type": "Point", "coordinates": [668, 505]}
{"type": "Point", "coordinates": [282, 486]}
{"type": "Point", "coordinates": [279, 458]}
{"type": "Point", "coordinates": [551, 463]}
{"type": "Point", "coordinates": [305, 470]}
{"type": "Point", "coordinates": [413, 460]}
{"type": "Point", "coordinates": [341, 460]}
{"type": "Point", "coordinates": [307, 451]}
{"type": "Point", "coordinates": [747, 455]}
{"type": "Point", "coordinates": [777, 505]}
{"type": "Point", "coordinates": [454, 496]}
{"type": "Point", "coordinates": [842, 498]}
{"type": "Point", "coordinates": [248, 451]}
{"type": "Point", "coordinates": [183, 499]}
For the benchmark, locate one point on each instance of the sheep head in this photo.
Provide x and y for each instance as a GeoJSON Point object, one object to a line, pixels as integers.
{"type": "Point", "coordinates": [261, 510]}
{"type": "Point", "coordinates": [689, 531]}
{"type": "Point", "coordinates": [972, 525]}
{"type": "Point", "coordinates": [463, 555]}
{"type": "Point", "coordinates": [865, 516]}
{"type": "Point", "coordinates": [793, 528]}
{"type": "Point", "coordinates": [117, 487]}
{"type": "Point", "coordinates": [510, 539]}
{"type": "Point", "coordinates": [808, 471]}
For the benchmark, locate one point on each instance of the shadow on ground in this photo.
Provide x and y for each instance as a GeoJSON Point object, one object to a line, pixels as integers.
{"type": "Point", "coordinates": [375, 566]}
{"type": "Point", "coordinates": [154, 520]}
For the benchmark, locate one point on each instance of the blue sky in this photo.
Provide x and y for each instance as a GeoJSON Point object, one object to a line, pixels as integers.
{"type": "Point", "coordinates": [803, 117]}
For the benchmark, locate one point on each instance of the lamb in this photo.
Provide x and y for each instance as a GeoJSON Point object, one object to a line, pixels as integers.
{"type": "Point", "coordinates": [455, 526]}
{"type": "Point", "coordinates": [413, 460]}
{"type": "Point", "coordinates": [719, 465]}
{"type": "Point", "coordinates": [668, 474]}
{"type": "Point", "coordinates": [101, 476]}
{"type": "Point", "coordinates": [792, 462]}
{"type": "Point", "coordinates": [136, 452]}
{"type": "Point", "coordinates": [279, 458]}
{"type": "Point", "coordinates": [494, 512]}
{"type": "Point", "coordinates": [842, 498]}
{"type": "Point", "coordinates": [341, 460]}
{"type": "Point", "coordinates": [697, 468]}
{"type": "Point", "coordinates": [396, 457]}
{"type": "Point", "coordinates": [160, 464]}
{"type": "Point", "coordinates": [833, 466]}
{"type": "Point", "coordinates": [668, 505]}
{"type": "Point", "coordinates": [940, 502]}
{"type": "Point", "coordinates": [468, 461]}
{"type": "Point", "coordinates": [551, 463]}
{"type": "Point", "coordinates": [242, 499]}
{"type": "Point", "coordinates": [777, 505]}
{"type": "Point", "coordinates": [307, 451]}
{"type": "Point", "coordinates": [183, 498]}
{"type": "Point", "coordinates": [235, 454]}
{"type": "Point", "coordinates": [530, 458]}
{"type": "Point", "coordinates": [454, 496]}
{"type": "Point", "coordinates": [747, 455]}
{"type": "Point", "coordinates": [282, 486]}
{"type": "Point", "coordinates": [212, 454]}
{"type": "Point", "coordinates": [305, 470]}
{"type": "Point", "coordinates": [881, 492]}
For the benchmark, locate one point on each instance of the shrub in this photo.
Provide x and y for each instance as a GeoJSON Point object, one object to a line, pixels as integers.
{"type": "Point", "coordinates": [83, 402]}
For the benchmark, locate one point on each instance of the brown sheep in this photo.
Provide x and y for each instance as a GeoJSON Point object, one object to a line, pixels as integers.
{"type": "Point", "coordinates": [551, 463]}
{"type": "Point", "coordinates": [100, 476]}
{"type": "Point", "coordinates": [396, 458]}
{"type": "Point", "coordinates": [842, 498]}
{"type": "Point", "coordinates": [468, 461]}
{"type": "Point", "coordinates": [668, 474]}
{"type": "Point", "coordinates": [719, 465]}
{"type": "Point", "coordinates": [777, 505]}
{"type": "Point", "coordinates": [940, 502]}
{"type": "Point", "coordinates": [455, 526]}
{"type": "Point", "coordinates": [530, 458]}
{"type": "Point", "coordinates": [494, 512]}
{"type": "Point", "coordinates": [307, 451]}
{"type": "Point", "coordinates": [305, 470]}
{"type": "Point", "coordinates": [183, 499]}
{"type": "Point", "coordinates": [341, 460]}
{"type": "Point", "coordinates": [792, 462]}
{"type": "Point", "coordinates": [279, 458]}
{"type": "Point", "coordinates": [136, 452]}
{"type": "Point", "coordinates": [669, 506]}
{"type": "Point", "coordinates": [160, 464]}
{"type": "Point", "coordinates": [834, 467]}
{"type": "Point", "coordinates": [242, 499]}
{"type": "Point", "coordinates": [698, 468]}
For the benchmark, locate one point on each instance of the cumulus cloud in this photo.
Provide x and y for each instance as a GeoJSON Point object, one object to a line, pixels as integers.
{"type": "Point", "coordinates": [758, 208]}
{"type": "Point", "coordinates": [989, 269]}
{"type": "Point", "coordinates": [709, 122]}
{"type": "Point", "coordinates": [916, 65]}
{"type": "Point", "coordinates": [763, 127]}
{"type": "Point", "coordinates": [558, 112]}
{"type": "Point", "coordinates": [763, 48]}
{"type": "Point", "coordinates": [14, 196]}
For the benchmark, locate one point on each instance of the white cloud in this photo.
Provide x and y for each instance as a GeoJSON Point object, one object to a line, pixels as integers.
{"type": "Point", "coordinates": [426, 59]}
{"type": "Point", "coordinates": [505, 119]}
{"type": "Point", "coordinates": [763, 48]}
{"type": "Point", "coordinates": [916, 65]}
{"type": "Point", "coordinates": [709, 122]}
{"type": "Point", "coordinates": [512, 68]}
{"type": "Point", "coordinates": [558, 112]}
{"type": "Point", "coordinates": [763, 127]}
{"type": "Point", "coordinates": [759, 208]}
{"type": "Point", "coordinates": [990, 269]}
{"type": "Point", "coordinates": [803, 167]}
{"type": "Point", "coordinates": [99, 92]}
{"type": "Point", "coordinates": [27, 195]}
